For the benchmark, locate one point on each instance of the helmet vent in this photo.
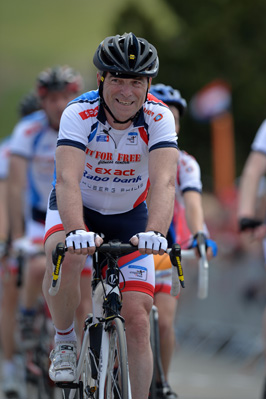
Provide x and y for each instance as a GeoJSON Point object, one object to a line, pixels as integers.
{"type": "Point", "coordinates": [127, 54]}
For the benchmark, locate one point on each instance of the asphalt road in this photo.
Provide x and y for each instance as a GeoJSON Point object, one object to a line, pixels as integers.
{"type": "Point", "coordinates": [198, 376]}
{"type": "Point", "coordinates": [220, 338]}
{"type": "Point", "coordinates": [219, 353]}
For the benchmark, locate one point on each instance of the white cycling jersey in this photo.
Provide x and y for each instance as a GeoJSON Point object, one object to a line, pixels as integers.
{"type": "Point", "coordinates": [34, 139]}
{"type": "Point", "coordinates": [115, 178]}
{"type": "Point", "coordinates": [188, 179]}
{"type": "Point", "coordinates": [188, 175]}
{"type": "Point", "coordinates": [259, 142]}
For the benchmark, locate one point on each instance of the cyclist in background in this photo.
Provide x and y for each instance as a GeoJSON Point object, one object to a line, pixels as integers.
{"type": "Point", "coordinates": [12, 376]}
{"type": "Point", "coordinates": [113, 144]}
{"type": "Point", "coordinates": [249, 222]}
{"type": "Point", "coordinates": [32, 149]}
{"type": "Point", "coordinates": [188, 221]}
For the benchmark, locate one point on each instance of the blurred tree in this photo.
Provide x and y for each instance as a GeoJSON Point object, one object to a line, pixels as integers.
{"type": "Point", "coordinates": [213, 39]}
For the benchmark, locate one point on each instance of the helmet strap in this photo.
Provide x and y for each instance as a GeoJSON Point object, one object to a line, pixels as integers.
{"type": "Point", "coordinates": [112, 115]}
{"type": "Point", "coordinates": [149, 85]}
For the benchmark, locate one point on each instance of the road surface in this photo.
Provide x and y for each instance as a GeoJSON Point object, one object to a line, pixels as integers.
{"type": "Point", "coordinates": [219, 338]}
{"type": "Point", "coordinates": [198, 376]}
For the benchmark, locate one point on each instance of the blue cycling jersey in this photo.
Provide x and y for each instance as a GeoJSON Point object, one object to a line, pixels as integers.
{"type": "Point", "coordinates": [34, 139]}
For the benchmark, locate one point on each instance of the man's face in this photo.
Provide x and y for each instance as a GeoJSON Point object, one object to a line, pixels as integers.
{"type": "Point", "coordinates": [54, 104]}
{"type": "Point", "coordinates": [124, 97]}
{"type": "Point", "coordinates": [175, 112]}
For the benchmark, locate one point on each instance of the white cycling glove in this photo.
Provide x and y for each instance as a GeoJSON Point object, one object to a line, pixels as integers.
{"type": "Point", "coordinates": [152, 240]}
{"type": "Point", "coordinates": [81, 239]}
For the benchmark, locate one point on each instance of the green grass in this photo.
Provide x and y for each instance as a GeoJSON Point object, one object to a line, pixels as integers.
{"type": "Point", "coordinates": [37, 34]}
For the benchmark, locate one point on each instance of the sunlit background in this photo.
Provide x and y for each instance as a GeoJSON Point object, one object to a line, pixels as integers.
{"type": "Point", "coordinates": [197, 42]}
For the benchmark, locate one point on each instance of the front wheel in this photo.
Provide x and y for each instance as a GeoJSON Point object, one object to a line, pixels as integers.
{"type": "Point", "coordinates": [158, 377]}
{"type": "Point", "coordinates": [117, 385]}
{"type": "Point", "coordinates": [153, 393]}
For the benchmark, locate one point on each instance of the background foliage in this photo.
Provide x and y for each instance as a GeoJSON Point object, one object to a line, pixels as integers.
{"type": "Point", "coordinates": [204, 41]}
{"type": "Point", "coordinates": [196, 41]}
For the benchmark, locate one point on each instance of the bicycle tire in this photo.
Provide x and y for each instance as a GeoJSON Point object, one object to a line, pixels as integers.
{"type": "Point", "coordinates": [153, 394]}
{"type": "Point", "coordinates": [38, 382]}
{"type": "Point", "coordinates": [89, 384]}
{"type": "Point", "coordinates": [116, 384]}
{"type": "Point", "coordinates": [158, 377]}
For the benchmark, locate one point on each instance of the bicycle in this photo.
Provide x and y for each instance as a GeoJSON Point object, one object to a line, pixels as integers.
{"type": "Point", "coordinates": [36, 356]}
{"type": "Point", "coordinates": [102, 368]}
{"type": "Point", "coordinates": [203, 269]}
{"type": "Point", "coordinates": [158, 378]}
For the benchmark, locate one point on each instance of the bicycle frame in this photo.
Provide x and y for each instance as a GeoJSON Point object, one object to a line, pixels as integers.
{"type": "Point", "coordinates": [35, 358]}
{"type": "Point", "coordinates": [106, 305]}
{"type": "Point", "coordinates": [104, 313]}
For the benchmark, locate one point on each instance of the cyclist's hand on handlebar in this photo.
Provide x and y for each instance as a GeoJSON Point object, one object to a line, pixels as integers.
{"type": "Point", "coordinates": [150, 242]}
{"type": "Point", "coordinates": [210, 245]}
{"type": "Point", "coordinates": [82, 242]}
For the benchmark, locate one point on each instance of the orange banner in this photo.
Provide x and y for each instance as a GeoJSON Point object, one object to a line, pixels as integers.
{"type": "Point", "coordinates": [223, 152]}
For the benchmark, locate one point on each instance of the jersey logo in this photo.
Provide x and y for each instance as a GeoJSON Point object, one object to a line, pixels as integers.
{"type": "Point", "coordinates": [132, 138]}
{"type": "Point", "coordinates": [103, 138]}
{"type": "Point", "coordinates": [89, 113]}
{"type": "Point", "coordinates": [158, 118]}
{"type": "Point", "coordinates": [112, 280]}
{"type": "Point", "coordinates": [189, 169]}
{"type": "Point", "coordinates": [148, 111]}
{"type": "Point", "coordinates": [33, 129]}
{"type": "Point", "coordinates": [137, 272]}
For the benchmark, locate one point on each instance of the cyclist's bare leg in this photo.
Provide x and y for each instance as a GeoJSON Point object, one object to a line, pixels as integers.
{"type": "Point", "coordinates": [166, 305]}
{"type": "Point", "coordinates": [85, 305]}
{"type": "Point", "coordinates": [32, 281]}
{"type": "Point", "coordinates": [12, 370]}
{"type": "Point", "coordinates": [135, 310]}
{"type": "Point", "coordinates": [64, 304]}
{"type": "Point", "coordinates": [8, 314]}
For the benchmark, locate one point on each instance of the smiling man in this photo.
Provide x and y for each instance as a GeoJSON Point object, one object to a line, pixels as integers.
{"type": "Point", "coordinates": [120, 126]}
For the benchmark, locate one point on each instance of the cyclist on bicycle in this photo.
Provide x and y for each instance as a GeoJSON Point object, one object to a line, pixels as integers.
{"type": "Point", "coordinates": [188, 221]}
{"type": "Point", "coordinates": [32, 149]}
{"type": "Point", "coordinates": [114, 143]}
{"type": "Point", "coordinates": [249, 222]}
{"type": "Point", "coordinates": [12, 376]}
